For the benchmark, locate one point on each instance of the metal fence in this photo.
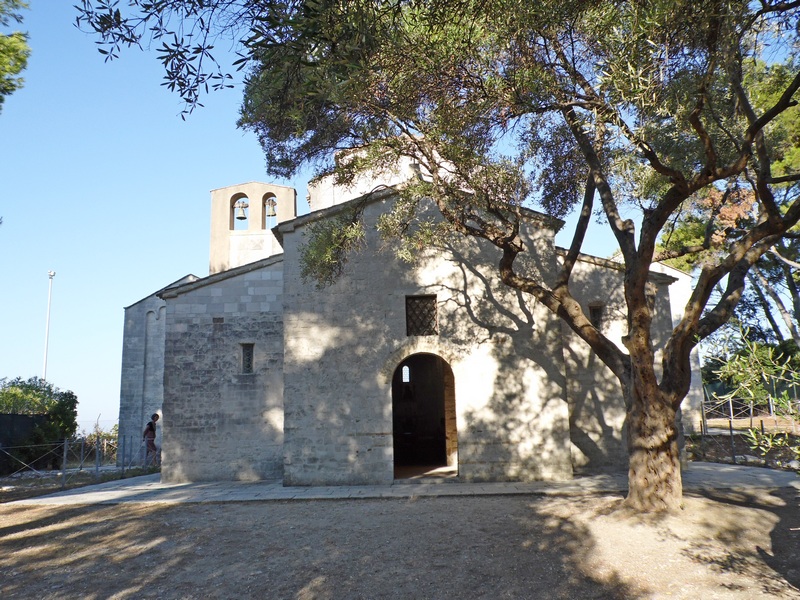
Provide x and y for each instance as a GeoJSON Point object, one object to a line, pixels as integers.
{"type": "Point", "coordinates": [132, 453]}
{"type": "Point", "coordinates": [736, 415]}
{"type": "Point", "coordinates": [74, 458]}
{"type": "Point", "coordinates": [727, 420]}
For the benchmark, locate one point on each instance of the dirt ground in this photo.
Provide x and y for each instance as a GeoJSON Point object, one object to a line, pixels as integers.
{"type": "Point", "coordinates": [726, 546]}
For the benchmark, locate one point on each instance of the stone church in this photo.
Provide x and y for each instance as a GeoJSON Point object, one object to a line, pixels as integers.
{"type": "Point", "coordinates": [394, 371]}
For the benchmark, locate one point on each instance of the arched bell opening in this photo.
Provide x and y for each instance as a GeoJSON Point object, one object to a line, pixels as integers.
{"type": "Point", "coordinates": [239, 213]}
{"type": "Point", "coordinates": [269, 214]}
{"type": "Point", "coordinates": [424, 418]}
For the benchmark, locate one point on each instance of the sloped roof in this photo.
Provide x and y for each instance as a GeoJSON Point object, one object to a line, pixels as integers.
{"type": "Point", "coordinates": [616, 265]}
{"type": "Point", "coordinates": [183, 280]}
{"type": "Point", "coordinates": [377, 196]}
{"type": "Point", "coordinates": [175, 291]}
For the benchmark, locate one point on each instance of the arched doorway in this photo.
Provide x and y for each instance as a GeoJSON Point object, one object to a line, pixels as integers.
{"type": "Point", "coordinates": [424, 417]}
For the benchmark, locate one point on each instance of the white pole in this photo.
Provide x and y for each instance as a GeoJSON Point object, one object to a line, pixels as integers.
{"type": "Point", "coordinates": [50, 274]}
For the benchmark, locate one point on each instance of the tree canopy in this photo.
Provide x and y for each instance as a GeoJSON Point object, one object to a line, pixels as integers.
{"type": "Point", "coordinates": [636, 113]}
{"type": "Point", "coordinates": [14, 49]}
{"type": "Point", "coordinates": [35, 396]}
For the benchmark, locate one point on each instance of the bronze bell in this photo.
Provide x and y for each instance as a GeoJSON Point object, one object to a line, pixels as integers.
{"type": "Point", "coordinates": [270, 207]}
{"type": "Point", "coordinates": [240, 214]}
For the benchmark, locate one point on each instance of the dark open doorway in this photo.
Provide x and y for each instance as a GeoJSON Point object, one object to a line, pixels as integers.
{"type": "Point", "coordinates": [424, 417]}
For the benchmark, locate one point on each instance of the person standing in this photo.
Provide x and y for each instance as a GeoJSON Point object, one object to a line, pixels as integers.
{"type": "Point", "coordinates": [149, 437]}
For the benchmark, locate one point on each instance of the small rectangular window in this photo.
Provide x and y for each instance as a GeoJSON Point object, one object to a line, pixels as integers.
{"type": "Point", "coordinates": [421, 315]}
{"type": "Point", "coordinates": [651, 302]}
{"type": "Point", "coordinates": [247, 358]}
{"type": "Point", "coordinates": [596, 313]}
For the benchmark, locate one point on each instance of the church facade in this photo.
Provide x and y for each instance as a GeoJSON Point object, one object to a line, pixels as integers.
{"type": "Point", "coordinates": [393, 371]}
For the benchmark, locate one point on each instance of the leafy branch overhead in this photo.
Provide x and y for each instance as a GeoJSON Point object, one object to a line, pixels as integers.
{"type": "Point", "coordinates": [184, 35]}
{"type": "Point", "coordinates": [14, 49]}
{"type": "Point", "coordinates": [329, 242]}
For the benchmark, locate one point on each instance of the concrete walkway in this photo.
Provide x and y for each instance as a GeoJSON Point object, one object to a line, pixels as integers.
{"type": "Point", "coordinates": [149, 488]}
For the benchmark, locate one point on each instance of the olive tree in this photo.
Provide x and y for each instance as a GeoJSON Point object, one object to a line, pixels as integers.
{"type": "Point", "coordinates": [626, 110]}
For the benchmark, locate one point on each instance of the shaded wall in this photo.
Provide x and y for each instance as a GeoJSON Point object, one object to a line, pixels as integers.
{"type": "Point", "coordinates": [142, 373]}
{"type": "Point", "coordinates": [220, 421]}
{"type": "Point", "coordinates": [597, 405]}
{"type": "Point", "coordinates": [17, 429]}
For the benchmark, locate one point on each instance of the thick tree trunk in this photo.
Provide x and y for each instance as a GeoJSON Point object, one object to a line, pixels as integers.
{"type": "Point", "coordinates": [654, 471]}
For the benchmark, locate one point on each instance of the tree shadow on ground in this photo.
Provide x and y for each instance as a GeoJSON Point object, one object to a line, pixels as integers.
{"type": "Point", "coordinates": [724, 544]}
{"type": "Point", "coordinates": [490, 547]}
{"type": "Point", "coordinates": [776, 549]}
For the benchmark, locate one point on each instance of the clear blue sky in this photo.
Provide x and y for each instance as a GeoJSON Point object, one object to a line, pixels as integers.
{"type": "Point", "coordinates": [103, 183]}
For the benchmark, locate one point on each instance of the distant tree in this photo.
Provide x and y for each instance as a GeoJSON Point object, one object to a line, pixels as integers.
{"type": "Point", "coordinates": [634, 110]}
{"type": "Point", "coordinates": [35, 396]}
{"type": "Point", "coordinates": [764, 374]}
{"type": "Point", "coordinates": [101, 435]}
{"type": "Point", "coordinates": [14, 49]}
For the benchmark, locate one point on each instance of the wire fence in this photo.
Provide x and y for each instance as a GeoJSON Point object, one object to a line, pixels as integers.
{"type": "Point", "coordinates": [73, 459]}
{"type": "Point", "coordinates": [736, 415]}
{"type": "Point", "coordinates": [728, 423]}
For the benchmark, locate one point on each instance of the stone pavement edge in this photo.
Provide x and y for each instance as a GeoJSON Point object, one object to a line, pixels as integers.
{"type": "Point", "coordinates": [149, 488]}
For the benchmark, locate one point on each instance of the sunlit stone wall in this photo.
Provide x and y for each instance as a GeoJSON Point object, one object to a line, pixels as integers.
{"type": "Point", "coordinates": [343, 342]}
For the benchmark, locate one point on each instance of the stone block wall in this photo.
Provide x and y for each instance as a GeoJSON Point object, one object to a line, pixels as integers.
{"type": "Point", "coordinates": [142, 374]}
{"type": "Point", "coordinates": [597, 406]}
{"type": "Point", "coordinates": [343, 343]}
{"type": "Point", "coordinates": [221, 422]}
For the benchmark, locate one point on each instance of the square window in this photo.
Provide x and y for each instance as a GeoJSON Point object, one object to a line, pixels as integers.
{"type": "Point", "coordinates": [421, 315]}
